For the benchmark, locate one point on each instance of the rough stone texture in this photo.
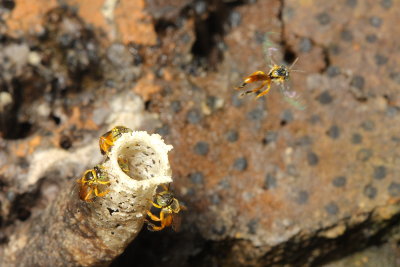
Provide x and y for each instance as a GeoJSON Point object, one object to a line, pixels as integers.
{"type": "Point", "coordinates": [270, 188]}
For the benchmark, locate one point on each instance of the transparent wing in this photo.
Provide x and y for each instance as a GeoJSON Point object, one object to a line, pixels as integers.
{"type": "Point", "coordinates": [176, 222]}
{"type": "Point", "coordinates": [291, 97]}
{"type": "Point", "coordinates": [269, 47]}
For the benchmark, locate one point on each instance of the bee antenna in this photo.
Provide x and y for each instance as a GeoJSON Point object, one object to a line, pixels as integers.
{"type": "Point", "coordinates": [294, 63]}
{"type": "Point", "coordinates": [298, 71]}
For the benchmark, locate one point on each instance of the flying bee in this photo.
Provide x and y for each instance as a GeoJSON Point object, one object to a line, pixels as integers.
{"type": "Point", "coordinates": [90, 182]}
{"type": "Point", "coordinates": [278, 74]}
{"type": "Point", "coordinates": [170, 207]}
{"type": "Point", "coordinates": [107, 140]}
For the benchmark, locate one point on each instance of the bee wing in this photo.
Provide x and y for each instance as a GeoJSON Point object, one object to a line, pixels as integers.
{"type": "Point", "coordinates": [86, 192]}
{"type": "Point", "coordinates": [291, 97]}
{"type": "Point", "coordinates": [269, 48]}
{"type": "Point", "coordinates": [176, 222]}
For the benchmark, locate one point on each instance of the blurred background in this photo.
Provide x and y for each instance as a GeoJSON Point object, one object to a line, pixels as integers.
{"type": "Point", "coordinates": [264, 182]}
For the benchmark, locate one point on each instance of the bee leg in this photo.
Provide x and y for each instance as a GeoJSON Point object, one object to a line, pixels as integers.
{"type": "Point", "coordinates": [104, 182]}
{"type": "Point", "coordinates": [164, 223]}
{"type": "Point", "coordinates": [153, 217]}
{"type": "Point", "coordinates": [165, 187]}
{"type": "Point", "coordinates": [151, 226]}
{"type": "Point", "coordinates": [254, 77]}
{"type": "Point", "coordinates": [96, 192]}
{"type": "Point", "coordinates": [256, 89]}
{"type": "Point", "coordinates": [265, 91]}
{"type": "Point", "coordinates": [155, 204]}
{"type": "Point", "coordinates": [88, 194]}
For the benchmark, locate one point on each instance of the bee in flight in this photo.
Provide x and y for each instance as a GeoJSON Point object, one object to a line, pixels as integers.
{"type": "Point", "coordinates": [278, 74]}
{"type": "Point", "coordinates": [170, 207]}
{"type": "Point", "coordinates": [107, 140]}
{"type": "Point", "coordinates": [90, 182]}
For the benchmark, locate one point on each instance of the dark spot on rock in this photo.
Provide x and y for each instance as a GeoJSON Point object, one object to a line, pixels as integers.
{"type": "Point", "coordinates": [333, 71]}
{"type": "Point", "coordinates": [368, 125]}
{"type": "Point", "coordinates": [225, 184]}
{"type": "Point", "coordinates": [240, 164]}
{"type": "Point", "coordinates": [259, 37]}
{"type": "Point", "coordinates": [304, 141]}
{"type": "Point", "coordinates": [395, 76]}
{"type": "Point", "coordinates": [346, 35]}
{"type": "Point", "coordinates": [370, 191]}
{"type": "Point", "coordinates": [235, 18]}
{"type": "Point", "coordinates": [255, 114]}
{"type": "Point", "coordinates": [200, 7]}
{"type": "Point", "coordinates": [334, 49]}
{"type": "Point", "coordinates": [65, 142]}
{"type": "Point", "coordinates": [111, 211]}
{"type": "Point", "coordinates": [333, 132]}
{"type": "Point", "coordinates": [201, 148]}
{"type": "Point", "coordinates": [194, 116]}
{"type": "Point", "coordinates": [305, 45]}
{"type": "Point", "coordinates": [232, 136]}
{"type": "Point", "coordinates": [236, 101]}
{"type": "Point", "coordinates": [392, 111]}
{"type": "Point", "coordinates": [356, 138]}
{"type": "Point", "coordinates": [176, 106]}
{"type": "Point", "coordinates": [215, 199]}
{"type": "Point", "coordinates": [292, 170]}
{"type": "Point", "coordinates": [395, 139]}
{"type": "Point", "coordinates": [287, 116]}
{"type": "Point", "coordinates": [375, 21]}
{"type": "Point", "coordinates": [351, 3]}
{"type": "Point", "coordinates": [323, 18]}
{"type": "Point", "coordinates": [23, 163]}
{"type": "Point", "coordinates": [218, 230]}
{"type": "Point", "coordinates": [394, 189]}
{"type": "Point", "coordinates": [191, 192]}
{"type": "Point", "coordinates": [270, 181]}
{"type": "Point", "coordinates": [270, 137]}
{"type": "Point", "coordinates": [211, 102]}
{"type": "Point", "coordinates": [357, 82]}
{"type": "Point", "coordinates": [371, 38]}
{"type": "Point", "coordinates": [314, 119]}
{"type": "Point", "coordinates": [197, 177]}
{"type": "Point", "coordinates": [331, 208]}
{"type": "Point", "coordinates": [163, 130]}
{"type": "Point", "coordinates": [325, 98]}
{"type": "Point", "coordinates": [339, 181]}
{"type": "Point", "coordinates": [364, 154]}
{"type": "Point", "coordinates": [302, 197]}
{"type": "Point", "coordinates": [379, 172]}
{"type": "Point", "coordinates": [386, 4]}
{"type": "Point", "coordinates": [252, 226]}
{"type": "Point", "coordinates": [380, 59]}
{"type": "Point", "coordinates": [312, 159]}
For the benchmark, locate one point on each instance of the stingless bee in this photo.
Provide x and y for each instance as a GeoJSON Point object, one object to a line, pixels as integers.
{"type": "Point", "coordinates": [278, 74]}
{"type": "Point", "coordinates": [170, 207]}
{"type": "Point", "coordinates": [90, 182]}
{"type": "Point", "coordinates": [124, 165]}
{"type": "Point", "coordinates": [107, 140]}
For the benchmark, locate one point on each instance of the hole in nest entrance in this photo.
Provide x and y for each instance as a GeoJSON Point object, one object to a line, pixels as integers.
{"type": "Point", "coordinates": [139, 161]}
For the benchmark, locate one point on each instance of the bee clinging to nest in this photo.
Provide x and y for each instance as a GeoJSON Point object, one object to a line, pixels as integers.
{"type": "Point", "coordinates": [169, 214]}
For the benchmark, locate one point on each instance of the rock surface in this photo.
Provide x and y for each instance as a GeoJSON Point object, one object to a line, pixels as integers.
{"type": "Point", "coordinates": [264, 183]}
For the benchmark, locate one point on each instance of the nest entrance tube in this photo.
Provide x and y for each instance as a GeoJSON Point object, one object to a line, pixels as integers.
{"type": "Point", "coordinates": [72, 232]}
{"type": "Point", "coordinates": [146, 158]}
